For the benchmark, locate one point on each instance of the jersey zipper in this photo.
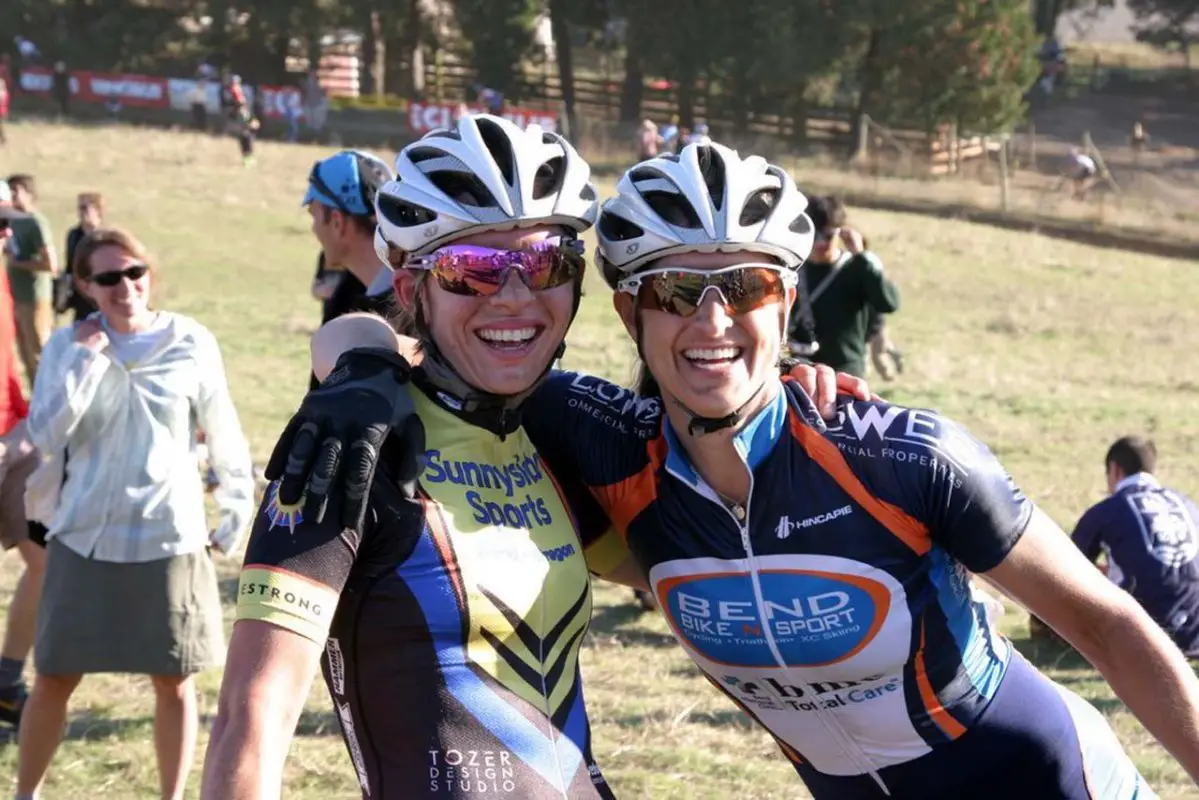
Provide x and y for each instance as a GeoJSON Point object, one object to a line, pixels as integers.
{"type": "Point", "coordinates": [740, 517]}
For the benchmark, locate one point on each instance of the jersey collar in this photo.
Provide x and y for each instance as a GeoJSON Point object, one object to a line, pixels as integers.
{"type": "Point", "coordinates": [754, 441]}
{"type": "Point", "coordinates": [1137, 480]}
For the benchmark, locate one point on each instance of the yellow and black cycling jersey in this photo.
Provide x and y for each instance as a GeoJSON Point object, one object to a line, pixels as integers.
{"type": "Point", "coordinates": [451, 621]}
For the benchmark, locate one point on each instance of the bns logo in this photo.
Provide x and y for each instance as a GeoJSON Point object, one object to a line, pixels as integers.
{"type": "Point", "coordinates": [814, 618]}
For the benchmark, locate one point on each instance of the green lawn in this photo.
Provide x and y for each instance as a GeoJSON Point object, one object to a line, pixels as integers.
{"type": "Point", "coordinates": [1047, 350]}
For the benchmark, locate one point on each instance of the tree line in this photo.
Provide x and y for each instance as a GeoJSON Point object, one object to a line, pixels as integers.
{"type": "Point", "coordinates": [916, 62]}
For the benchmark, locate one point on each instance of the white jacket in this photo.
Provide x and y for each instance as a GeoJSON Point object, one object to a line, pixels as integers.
{"type": "Point", "coordinates": [132, 489]}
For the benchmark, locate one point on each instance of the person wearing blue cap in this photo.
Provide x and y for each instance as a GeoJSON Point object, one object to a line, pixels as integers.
{"type": "Point", "coordinates": [341, 202]}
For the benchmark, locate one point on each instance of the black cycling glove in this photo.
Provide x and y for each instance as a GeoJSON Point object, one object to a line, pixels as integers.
{"type": "Point", "coordinates": [338, 433]}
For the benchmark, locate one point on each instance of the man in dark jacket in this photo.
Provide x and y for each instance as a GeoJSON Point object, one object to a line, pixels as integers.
{"type": "Point", "coordinates": [1150, 535]}
{"type": "Point", "coordinates": [841, 284]}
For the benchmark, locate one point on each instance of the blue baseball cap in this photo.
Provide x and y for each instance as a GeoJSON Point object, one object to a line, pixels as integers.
{"type": "Point", "coordinates": [347, 181]}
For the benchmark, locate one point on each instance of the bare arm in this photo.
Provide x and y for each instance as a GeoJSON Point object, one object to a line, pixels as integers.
{"type": "Point", "coordinates": [1048, 575]}
{"type": "Point", "coordinates": [351, 331]}
{"type": "Point", "coordinates": [268, 673]}
{"type": "Point", "coordinates": [44, 261]}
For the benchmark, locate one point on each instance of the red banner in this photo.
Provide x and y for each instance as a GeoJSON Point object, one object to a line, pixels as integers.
{"type": "Point", "coordinates": [424, 117]}
{"type": "Point", "coordinates": [97, 87]}
{"type": "Point", "coordinates": [143, 90]}
{"type": "Point", "coordinates": [277, 99]}
{"type": "Point", "coordinates": [151, 92]}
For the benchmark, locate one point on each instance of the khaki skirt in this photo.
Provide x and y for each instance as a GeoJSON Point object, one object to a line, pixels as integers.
{"type": "Point", "coordinates": [158, 617]}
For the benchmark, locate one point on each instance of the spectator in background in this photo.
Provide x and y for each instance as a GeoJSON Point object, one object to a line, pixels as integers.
{"type": "Point", "coordinates": [27, 50]}
{"type": "Point", "coordinates": [245, 128]}
{"type": "Point", "coordinates": [325, 282]}
{"type": "Point", "coordinates": [4, 100]}
{"type": "Point", "coordinates": [885, 356]}
{"type": "Point", "coordinates": [18, 460]}
{"type": "Point", "coordinates": [489, 100]}
{"type": "Point", "coordinates": [649, 142]}
{"type": "Point", "coordinates": [31, 268]}
{"type": "Point", "coordinates": [699, 135]}
{"type": "Point", "coordinates": [130, 586]}
{"type": "Point", "coordinates": [1081, 170]}
{"type": "Point", "coordinates": [1139, 139]}
{"type": "Point", "coordinates": [198, 98]}
{"type": "Point", "coordinates": [291, 113]}
{"type": "Point", "coordinates": [258, 103]}
{"type": "Point", "coordinates": [62, 88]}
{"type": "Point", "coordinates": [1150, 537]}
{"type": "Point", "coordinates": [224, 102]}
{"type": "Point", "coordinates": [68, 295]}
{"type": "Point", "coordinates": [841, 282]}
{"type": "Point", "coordinates": [670, 133]}
{"type": "Point", "coordinates": [341, 202]}
{"type": "Point", "coordinates": [681, 139]}
{"type": "Point", "coordinates": [316, 105]}
{"type": "Point", "coordinates": [237, 98]}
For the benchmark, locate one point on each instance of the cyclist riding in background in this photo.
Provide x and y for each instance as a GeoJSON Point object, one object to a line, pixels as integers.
{"type": "Point", "coordinates": [819, 576]}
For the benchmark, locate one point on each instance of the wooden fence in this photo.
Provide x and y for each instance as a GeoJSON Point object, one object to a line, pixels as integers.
{"type": "Point", "coordinates": [597, 100]}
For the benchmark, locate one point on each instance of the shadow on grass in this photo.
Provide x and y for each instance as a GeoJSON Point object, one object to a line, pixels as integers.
{"type": "Point", "coordinates": [318, 723]}
{"type": "Point", "coordinates": [1051, 654]}
{"type": "Point", "coordinates": [1069, 669]}
{"type": "Point", "coordinates": [94, 727]}
{"type": "Point", "coordinates": [613, 622]}
{"type": "Point", "coordinates": [85, 727]}
{"type": "Point", "coordinates": [724, 718]}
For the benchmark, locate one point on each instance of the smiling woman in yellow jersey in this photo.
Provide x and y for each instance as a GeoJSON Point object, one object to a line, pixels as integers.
{"type": "Point", "coordinates": [448, 619]}
{"type": "Point", "coordinates": [454, 619]}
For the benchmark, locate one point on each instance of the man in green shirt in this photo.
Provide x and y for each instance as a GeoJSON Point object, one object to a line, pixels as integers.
{"type": "Point", "coordinates": [31, 269]}
{"type": "Point", "coordinates": [842, 284]}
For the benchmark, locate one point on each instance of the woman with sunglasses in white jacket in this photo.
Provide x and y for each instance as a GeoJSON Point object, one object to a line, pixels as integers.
{"type": "Point", "coordinates": [130, 586]}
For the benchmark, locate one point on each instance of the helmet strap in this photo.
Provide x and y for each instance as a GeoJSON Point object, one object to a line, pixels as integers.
{"type": "Point", "coordinates": [439, 373]}
{"type": "Point", "coordinates": [698, 425]}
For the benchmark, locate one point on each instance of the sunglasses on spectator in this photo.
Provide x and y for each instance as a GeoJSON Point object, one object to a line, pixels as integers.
{"type": "Point", "coordinates": [134, 272]}
{"type": "Point", "coordinates": [681, 291]}
{"type": "Point", "coordinates": [473, 271]}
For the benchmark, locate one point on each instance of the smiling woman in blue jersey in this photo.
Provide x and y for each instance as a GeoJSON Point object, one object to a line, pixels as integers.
{"type": "Point", "coordinates": [820, 575]}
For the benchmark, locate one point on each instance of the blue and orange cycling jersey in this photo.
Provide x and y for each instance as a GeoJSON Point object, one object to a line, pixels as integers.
{"type": "Point", "coordinates": [834, 607]}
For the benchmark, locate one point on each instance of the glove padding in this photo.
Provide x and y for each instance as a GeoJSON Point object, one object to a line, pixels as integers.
{"type": "Point", "coordinates": [339, 430]}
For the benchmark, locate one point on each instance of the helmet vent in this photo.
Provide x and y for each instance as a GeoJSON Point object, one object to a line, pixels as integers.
{"type": "Point", "coordinates": [673, 208]}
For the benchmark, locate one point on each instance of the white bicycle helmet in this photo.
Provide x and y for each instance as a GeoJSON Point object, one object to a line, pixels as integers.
{"type": "Point", "coordinates": [486, 174]}
{"type": "Point", "coordinates": [705, 199]}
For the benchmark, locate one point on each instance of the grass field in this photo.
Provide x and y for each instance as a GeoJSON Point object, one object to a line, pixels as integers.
{"type": "Point", "coordinates": [1045, 349]}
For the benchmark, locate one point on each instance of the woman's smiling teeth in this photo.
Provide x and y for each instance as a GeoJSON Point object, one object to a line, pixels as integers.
{"type": "Point", "coordinates": [711, 355]}
{"type": "Point", "coordinates": [507, 337]}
